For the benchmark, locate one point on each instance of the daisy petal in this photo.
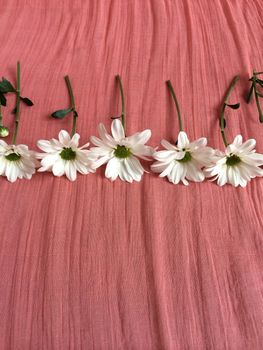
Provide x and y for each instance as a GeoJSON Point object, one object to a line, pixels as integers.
{"type": "Point", "coordinates": [140, 137]}
{"type": "Point", "coordinates": [183, 141]}
{"type": "Point", "coordinates": [117, 130]}
{"type": "Point", "coordinates": [106, 138]}
{"type": "Point", "coordinates": [70, 171]}
{"type": "Point", "coordinates": [99, 162]}
{"type": "Point", "coordinates": [168, 145]}
{"type": "Point", "coordinates": [112, 169]}
{"type": "Point", "coordinates": [237, 141]}
{"type": "Point", "coordinates": [248, 146]}
{"type": "Point", "coordinates": [45, 146]}
{"type": "Point", "coordinates": [74, 141]}
{"type": "Point", "coordinates": [48, 160]}
{"type": "Point", "coordinates": [167, 170]}
{"type": "Point", "coordinates": [64, 138]}
{"type": "Point", "coordinates": [133, 172]}
{"type": "Point", "coordinates": [58, 168]}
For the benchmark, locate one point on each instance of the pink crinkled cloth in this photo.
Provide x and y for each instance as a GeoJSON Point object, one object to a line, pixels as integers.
{"type": "Point", "coordinates": [99, 265]}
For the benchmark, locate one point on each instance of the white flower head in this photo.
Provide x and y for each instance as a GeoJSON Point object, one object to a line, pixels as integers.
{"type": "Point", "coordinates": [64, 156]}
{"type": "Point", "coordinates": [17, 161]}
{"type": "Point", "coordinates": [183, 161]}
{"type": "Point", "coordinates": [238, 164]}
{"type": "Point", "coordinates": [120, 152]}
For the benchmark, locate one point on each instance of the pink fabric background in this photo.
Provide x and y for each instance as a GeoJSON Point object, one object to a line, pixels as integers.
{"type": "Point", "coordinates": [101, 265]}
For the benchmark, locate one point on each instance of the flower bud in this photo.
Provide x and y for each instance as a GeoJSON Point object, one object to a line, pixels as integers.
{"type": "Point", "coordinates": [4, 131]}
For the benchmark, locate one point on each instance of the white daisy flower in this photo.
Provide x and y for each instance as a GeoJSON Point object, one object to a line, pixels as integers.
{"type": "Point", "coordinates": [63, 156]}
{"type": "Point", "coordinates": [120, 152]}
{"type": "Point", "coordinates": [183, 161]}
{"type": "Point", "coordinates": [17, 161]}
{"type": "Point", "coordinates": [238, 164]}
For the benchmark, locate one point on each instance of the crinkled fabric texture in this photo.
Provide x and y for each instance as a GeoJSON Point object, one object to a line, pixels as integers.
{"type": "Point", "coordinates": [95, 264]}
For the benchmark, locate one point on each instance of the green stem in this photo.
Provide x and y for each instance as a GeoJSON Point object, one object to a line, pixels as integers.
{"type": "Point", "coordinates": [72, 102]}
{"type": "Point", "coordinates": [17, 103]}
{"type": "Point", "coordinates": [256, 95]}
{"type": "Point", "coordinates": [118, 78]}
{"type": "Point", "coordinates": [170, 87]}
{"type": "Point", "coordinates": [1, 116]}
{"type": "Point", "coordinates": [222, 113]}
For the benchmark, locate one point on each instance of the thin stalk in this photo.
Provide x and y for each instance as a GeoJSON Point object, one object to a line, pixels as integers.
{"type": "Point", "coordinates": [1, 116]}
{"type": "Point", "coordinates": [170, 87]}
{"type": "Point", "coordinates": [222, 113]}
{"type": "Point", "coordinates": [258, 105]}
{"type": "Point", "coordinates": [17, 114]}
{"type": "Point", "coordinates": [254, 83]}
{"type": "Point", "coordinates": [118, 78]}
{"type": "Point", "coordinates": [72, 102]}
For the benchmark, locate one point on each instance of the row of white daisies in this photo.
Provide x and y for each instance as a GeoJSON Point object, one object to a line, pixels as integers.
{"type": "Point", "coordinates": [184, 161]}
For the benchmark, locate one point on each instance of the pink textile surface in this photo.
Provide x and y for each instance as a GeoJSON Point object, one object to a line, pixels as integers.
{"type": "Point", "coordinates": [150, 265]}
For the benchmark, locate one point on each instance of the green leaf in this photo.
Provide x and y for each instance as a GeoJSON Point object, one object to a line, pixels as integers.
{"type": "Point", "coordinates": [2, 100]}
{"type": "Point", "coordinates": [250, 93]}
{"type": "Point", "coordinates": [235, 106]}
{"type": "Point", "coordinates": [27, 101]}
{"type": "Point", "coordinates": [260, 82]}
{"type": "Point", "coordinates": [6, 86]}
{"type": "Point", "coordinates": [60, 114]}
{"type": "Point", "coordinates": [259, 94]}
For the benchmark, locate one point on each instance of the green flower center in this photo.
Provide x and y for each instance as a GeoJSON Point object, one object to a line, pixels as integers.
{"type": "Point", "coordinates": [122, 152]}
{"type": "Point", "coordinates": [187, 158]}
{"type": "Point", "coordinates": [232, 160]}
{"type": "Point", "coordinates": [67, 154]}
{"type": "Point", "coordinates": [13, 157]}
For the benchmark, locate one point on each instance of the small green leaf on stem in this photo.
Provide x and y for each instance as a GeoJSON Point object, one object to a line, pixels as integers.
{"type": "Point", "coordinates": [27, 101]}
{"type": "Point", "coordinates": [250, 94]}
{"type": "Point", "coordinates": [2, 99]}
{"type": "Point", "coordinates": [75, 113]}
{"type": "Point", "coordinates": [6, 86]}
{"type": "Point", "coordinates": [259, 94]}
{"type": "Point", "coordinates": [234, 106]}
{"type": "Point", "coordinates": [61, 113]}
{"type": "Point", "coordinates": [260, 82]}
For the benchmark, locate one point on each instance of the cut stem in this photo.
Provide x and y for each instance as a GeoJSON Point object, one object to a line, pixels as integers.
{"type": "Point", "coordinates": [222, 113]}
{"type": "Point", "coordinates": [170, 88]}
{"type": "Point", "coordinates": [17, 110]}
{"type": "Point", "coordinates": [118, 78]}
{"type": "Point", "coordinates": [72, 102]}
